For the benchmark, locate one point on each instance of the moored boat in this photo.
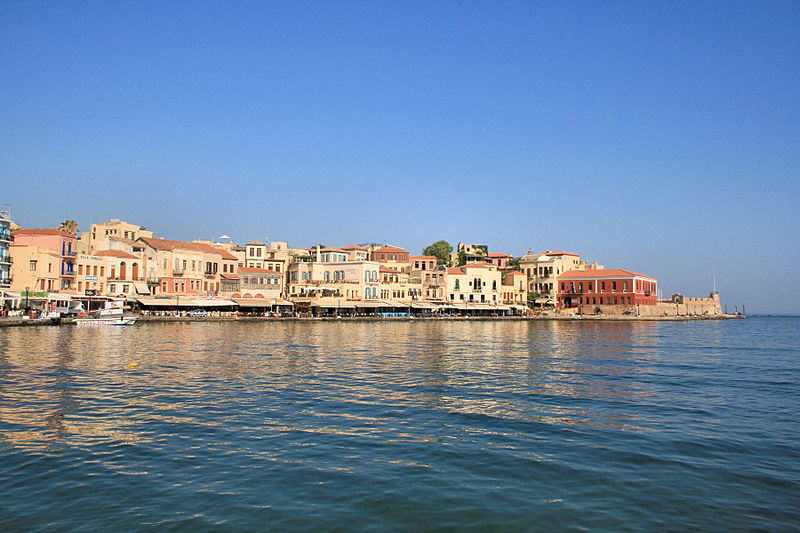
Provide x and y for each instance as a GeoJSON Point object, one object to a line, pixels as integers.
{"type": "Point", "coordinates": [111, 315]}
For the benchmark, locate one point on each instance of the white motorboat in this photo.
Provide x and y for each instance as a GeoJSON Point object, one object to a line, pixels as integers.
{"type": "Point", "coordinates": [111, 315]}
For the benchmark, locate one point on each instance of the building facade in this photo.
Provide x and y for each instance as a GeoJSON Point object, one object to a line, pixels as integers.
{"type": "Point", "coordinates": [543, 270]}
{"type": "Point", "coordinates": [55, 240]}
{"type": "Point", "coordinates": [5, 252]}
{"type": "Point", "coordinates": [590, 289]}
{"type": "Point", "coordinates": [474, 283]}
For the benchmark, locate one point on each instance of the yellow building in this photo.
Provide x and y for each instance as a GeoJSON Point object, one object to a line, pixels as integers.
{"type": "Point", "coordinates": [35, 268]}
{"type": "Point", "coordinates": [544, 268]}
{"type": "Point", "coordinates": [515, 289]}
{"type": "Point", "coordinates": [92, 241]}
{"type": "Point", "coordinates": [474, 283]}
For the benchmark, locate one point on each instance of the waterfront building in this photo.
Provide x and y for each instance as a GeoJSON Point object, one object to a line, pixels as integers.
{"type": "Point", "coordinates": [612, 290]}
{"type": "Point", "coordinates": [91, 276]}
{"type": "Point", "coordinates": [392, 257]}
{"type": "Point", "coordinates": [96, 238]}
{"type": "Point", "coordinates": [515, 289]}
{"type": "Point", "coordinates": [35, 268]}
{"type": "Point", "coordinates": [432, 276]}
{"type": "Point", "coordinates": [473, 283]}
{"type": "Point", "coordinates": [5, 253]}
{"type": "Point", "coordinates": [260, 283]}
{"type": "Point", "coordinates": [357, 253]}
{"type": "Point", "coordinates": [397, 286]}
{"type": "Point", "coordinates": [544, 268]}
{"type": "Point", "coordinates": [272, 257]}
{"type": "Point", "coordinates": [54, 240]}
{"type": "Point", "coordinates": [186, 267]}
{"type": "Point", "coordinates": [352, 280]}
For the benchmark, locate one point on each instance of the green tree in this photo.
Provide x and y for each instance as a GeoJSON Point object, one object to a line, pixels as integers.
{"type": "Point", "coordinates": [514, 263]}
{"type": "Point", "coordinates": [441, 250]}
{"type": "Point", "coordinates": [532, 296]}
{"type": "Point", "coordinates": [70, 226]}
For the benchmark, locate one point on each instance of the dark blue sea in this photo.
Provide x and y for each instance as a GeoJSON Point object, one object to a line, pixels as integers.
{"type": "Point", "coordinates": [406, 425]}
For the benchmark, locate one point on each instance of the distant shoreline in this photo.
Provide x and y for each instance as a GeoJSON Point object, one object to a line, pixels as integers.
{"type": "Point", "coordinates": [19, 322]}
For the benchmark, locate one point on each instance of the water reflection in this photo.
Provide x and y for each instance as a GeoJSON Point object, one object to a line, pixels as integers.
{"type": "Point", "coordinates": [73, 386]}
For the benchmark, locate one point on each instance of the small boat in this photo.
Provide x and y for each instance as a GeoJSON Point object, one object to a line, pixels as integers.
{"type": "Point", "coordinates": [111, 315]}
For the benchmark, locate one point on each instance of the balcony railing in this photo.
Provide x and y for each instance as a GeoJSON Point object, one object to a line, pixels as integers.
{"type": "Point", "coordinates": [6, 260]}
{"type": "Point", "coordinates": [69, 253]}
{"type": "Point", "coordinates": [6, 282]}
{"type": "Point", "coordinates": [6, 237]}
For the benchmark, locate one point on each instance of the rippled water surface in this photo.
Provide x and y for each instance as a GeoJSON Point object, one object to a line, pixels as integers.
{"type": "Point", "coordinates": [402, 425]}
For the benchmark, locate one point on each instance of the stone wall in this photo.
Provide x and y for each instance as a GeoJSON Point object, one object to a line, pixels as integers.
{"type": "Point", "coordinates": [676, 307]}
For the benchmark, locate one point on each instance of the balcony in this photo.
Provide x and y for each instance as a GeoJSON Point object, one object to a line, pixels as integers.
{"type": "Point", "coordinates": [210, 275]}
{"type": "Point", "coordinates": [69, 253]}
{"type": "Point", "coordinates": [6, 237]}
{"type": "Point", "coordinates": [178, 270]}
{"type": "Point", "coordinates": [5, 282]}
{"type": "Point", "coordinates": [6, 260]}
{"type": "Point", "coordinates": [153, 280]}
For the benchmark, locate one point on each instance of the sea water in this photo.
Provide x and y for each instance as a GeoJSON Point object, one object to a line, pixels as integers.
{"type": "Point", "coordinates": [402, 425]}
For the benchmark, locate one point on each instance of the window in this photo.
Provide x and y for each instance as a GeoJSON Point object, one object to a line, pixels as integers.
{"type": "Point", "coordinates": [458, 285]}
{"type": "Point", "coordinates": [95, 270]}
{"type": "Point", "coordinates": [602, 288]}
{"type": "Point", "coordinates": [80, 273]}
{"type": "Point", "coordinates": [614, 286]}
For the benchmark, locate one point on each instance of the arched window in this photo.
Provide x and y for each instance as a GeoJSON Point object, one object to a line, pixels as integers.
{"type": "Point", "coordinates": [458, 285]}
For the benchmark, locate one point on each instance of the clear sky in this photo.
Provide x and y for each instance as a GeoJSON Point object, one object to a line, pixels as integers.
{"type": "Point", "coordinates": [661, 137]}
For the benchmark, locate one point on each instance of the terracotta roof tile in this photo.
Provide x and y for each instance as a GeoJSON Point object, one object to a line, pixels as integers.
{"type": "Point", "coordinates": [601, 273]}
{"type": "Point", "coordinates": [46, 231]}
{"type": "Point", "coordinates": [115, 253]}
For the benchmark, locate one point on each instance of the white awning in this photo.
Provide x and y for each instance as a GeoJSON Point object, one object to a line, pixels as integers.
{"type": "Point", "coordinates": [142, 288]}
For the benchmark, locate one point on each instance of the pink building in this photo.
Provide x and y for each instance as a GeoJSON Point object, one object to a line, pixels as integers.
{"type": "Point", "coordinates": [63, 243]}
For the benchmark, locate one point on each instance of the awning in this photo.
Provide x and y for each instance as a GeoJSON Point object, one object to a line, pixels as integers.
{"type": "Point", "coordinates": [330, 302]}
{"type": "Point", "coordinates": [214, 302]}
{"type": "Point", "coordinates": [58, 297]}
{"type": "Point", "coordinates": [261, 302]}
{"type": "Point", "coordinates": [424, 305]}
{"type": "Point", "coordinates": [370, 304]}
{"type": "Point", "coordinates": [142, 288]}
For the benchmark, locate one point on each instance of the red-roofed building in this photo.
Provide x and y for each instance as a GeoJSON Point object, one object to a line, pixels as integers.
{"type": "Point", "coordinates": [588, 289]}
{"type": "Point", "coordinates": [180, 267]}
{"type": "Point", "coordinates": [390, 254]}
{"type": "Point", "coordinates": [544, 268]}
{"type": "Point", "coordinates": [500, 260]}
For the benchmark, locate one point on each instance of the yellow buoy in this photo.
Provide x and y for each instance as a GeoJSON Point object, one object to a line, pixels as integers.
{"type": "Point", "coordinates": [133, 365]}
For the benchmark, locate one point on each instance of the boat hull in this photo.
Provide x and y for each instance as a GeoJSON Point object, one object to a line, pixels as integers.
{"type": "Point", "coordinates": [110, 321]}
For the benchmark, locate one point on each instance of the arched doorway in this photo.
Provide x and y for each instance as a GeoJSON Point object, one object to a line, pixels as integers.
{"type": "Point", "coordinates": [135, 271]}
{"type": "Point", "coordinates": [122, 268]}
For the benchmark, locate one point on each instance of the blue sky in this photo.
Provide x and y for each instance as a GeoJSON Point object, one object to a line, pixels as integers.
{"type": "Point", "coordinates": [662, 137]}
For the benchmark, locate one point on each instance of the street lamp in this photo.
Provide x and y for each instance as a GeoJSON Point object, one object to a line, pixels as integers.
{"type": "Point", "coordinates": [27, 300]}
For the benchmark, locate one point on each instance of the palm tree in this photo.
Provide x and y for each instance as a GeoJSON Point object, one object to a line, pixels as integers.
{"type": "Point", "coordinates": [70, 226]}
